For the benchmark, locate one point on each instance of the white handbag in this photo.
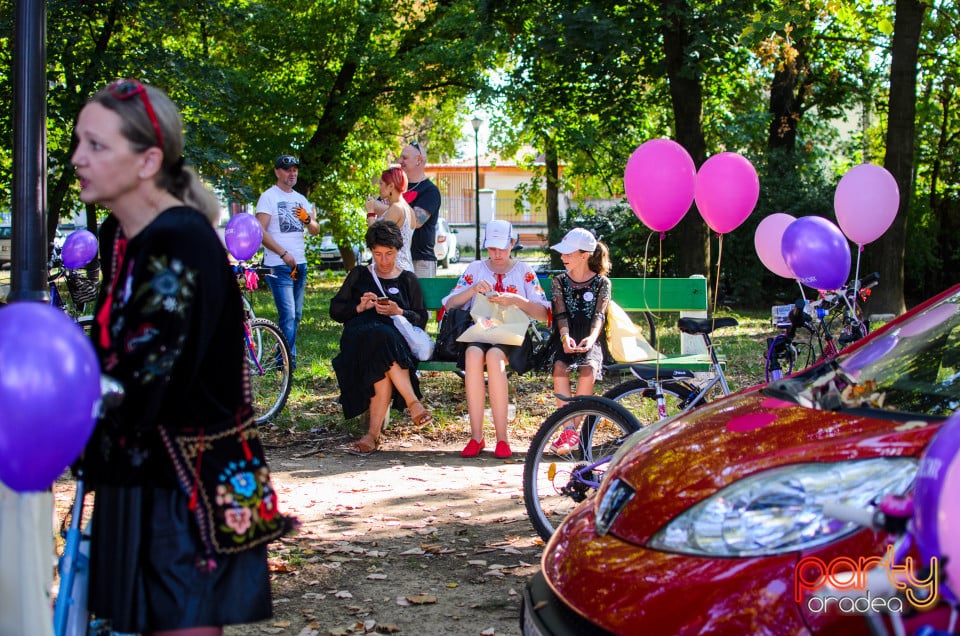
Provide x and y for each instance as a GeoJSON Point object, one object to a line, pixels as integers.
{"type": "Point", "coordinates": [420, 342]}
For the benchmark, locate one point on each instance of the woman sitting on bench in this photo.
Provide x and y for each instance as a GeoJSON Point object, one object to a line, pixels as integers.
{"type": "Point", "coordinates": [375, 363]}
{"type": "Point", "coordinates": [505, 282]}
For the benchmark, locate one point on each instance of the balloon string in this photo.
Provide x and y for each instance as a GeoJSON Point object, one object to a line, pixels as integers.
{"type": "Point", "coordinates": [856, 274]}
{"type": "Point", "coordinates": [716, 289]}
{"type": "Point", "coordinates": [660, 288]}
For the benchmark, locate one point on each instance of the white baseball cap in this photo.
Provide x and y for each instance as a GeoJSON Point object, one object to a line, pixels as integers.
{"type": "Point", "coordinates": [577, 239]}
{"type": "Point", "coordinates": [498, 234]}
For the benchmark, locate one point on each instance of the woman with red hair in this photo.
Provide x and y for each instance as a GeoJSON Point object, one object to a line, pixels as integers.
{"type": "Point", "coordinates": [393, 183]}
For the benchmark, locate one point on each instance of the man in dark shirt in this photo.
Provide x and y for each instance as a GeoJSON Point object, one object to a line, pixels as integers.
{"type": "Point", "coordinates": [424, 197]}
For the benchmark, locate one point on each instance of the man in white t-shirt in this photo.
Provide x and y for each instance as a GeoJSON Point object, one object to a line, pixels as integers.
{"type": "Point", "coordinates": [284, 214]}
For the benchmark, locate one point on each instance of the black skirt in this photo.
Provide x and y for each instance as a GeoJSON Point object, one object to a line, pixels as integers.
{"type": "Point", "coordinates": [369, 346]}
{"type": "Point", "coordinates": [144, 577]}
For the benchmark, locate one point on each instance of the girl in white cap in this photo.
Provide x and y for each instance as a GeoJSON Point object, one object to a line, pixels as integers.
{"type": "Point", "coordinates": [580, 297]}
{"type": "Point", "coordinates": [506, 282]}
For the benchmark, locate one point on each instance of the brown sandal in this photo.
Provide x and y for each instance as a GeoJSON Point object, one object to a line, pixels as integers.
{"type": "Point", "coordinates": [421, 416]}
{"type": "Point", "coordinates": [364, 446]}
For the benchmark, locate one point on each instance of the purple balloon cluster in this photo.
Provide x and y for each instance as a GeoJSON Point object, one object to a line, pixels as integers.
{"type": "Point", "coordinates": [49, 389]}
{"type": "Point", "coordinates": [814, 250]}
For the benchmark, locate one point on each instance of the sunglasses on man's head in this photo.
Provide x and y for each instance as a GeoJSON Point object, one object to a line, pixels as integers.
{"type": "Point", "coordinates": [416, 145]}
{"type": "Point", "coordinates": [127, 88]}
{"type": "Point", "coordinates": [286, 162]}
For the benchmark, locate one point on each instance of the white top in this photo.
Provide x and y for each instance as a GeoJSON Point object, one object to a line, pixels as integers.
{"type": "Point", "coordinates": [285, 228]}
{"type": "Point", "coordinates": [403, 256]}
{"type": "Point", "coordinates": [519, 279]}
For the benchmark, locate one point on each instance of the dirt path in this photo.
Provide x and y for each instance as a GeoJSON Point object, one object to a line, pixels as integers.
{"type": "Point", "coordinates": [413, 539]}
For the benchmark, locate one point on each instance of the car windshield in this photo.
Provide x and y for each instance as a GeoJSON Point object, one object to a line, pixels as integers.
{"type": "Point", "coordinates": [913, 368]}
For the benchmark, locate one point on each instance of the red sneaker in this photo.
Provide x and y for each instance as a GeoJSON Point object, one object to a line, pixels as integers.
{"type": "Point", "coordinates": [473, 448]}
{"type": "Point", "coordinates": [502, 451]}
{"type": "Point", "coordinates": [569, 440]}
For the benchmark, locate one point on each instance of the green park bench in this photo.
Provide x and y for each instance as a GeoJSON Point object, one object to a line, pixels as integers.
{"type": "Point", "coordinates": [688, 296]}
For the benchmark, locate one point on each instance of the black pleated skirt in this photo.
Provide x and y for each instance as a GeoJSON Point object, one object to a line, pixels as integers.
{"type": "Point", "coordinates": [144, 552]}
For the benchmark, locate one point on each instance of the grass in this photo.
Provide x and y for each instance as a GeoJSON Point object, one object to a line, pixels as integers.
{"type": "Point", "coordinates": [313, 405]}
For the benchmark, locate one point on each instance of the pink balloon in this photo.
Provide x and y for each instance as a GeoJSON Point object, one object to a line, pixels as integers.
{"type": "Point", "coordinates": [767, 240]}
{"type": "Point", "coordinates": [659, 180]}
{"type": "Point", "coordinates": [727, 191]}
{"type": "Point", "coordinates": [866, 202]}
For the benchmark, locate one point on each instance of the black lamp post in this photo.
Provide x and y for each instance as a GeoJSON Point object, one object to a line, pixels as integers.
{"type": "Point", "coordinates": [476, 121]}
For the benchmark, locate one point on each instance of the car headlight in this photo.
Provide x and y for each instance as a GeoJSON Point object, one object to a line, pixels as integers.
{"type": "Point", "coordinates": [781, 510]}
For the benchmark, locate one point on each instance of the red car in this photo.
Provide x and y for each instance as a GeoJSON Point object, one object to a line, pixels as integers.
{"type": "Point", "coordinates": [713, 523]}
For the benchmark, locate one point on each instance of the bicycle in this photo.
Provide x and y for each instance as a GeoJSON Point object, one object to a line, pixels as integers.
{"type": "Point", "coordinates": [836, 313]}
{"type": "Point", "coordinates": [268, 355]}
{"type": "Point", "coordinates": [83, 285]}
{"type": "Point", "coordinates": [555, 483]}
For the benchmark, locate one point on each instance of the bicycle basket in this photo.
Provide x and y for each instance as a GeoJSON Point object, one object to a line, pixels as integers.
{"type": "Point", "coordinates": [83, 284]}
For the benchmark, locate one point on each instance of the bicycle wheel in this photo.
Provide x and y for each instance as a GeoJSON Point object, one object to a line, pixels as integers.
{"type": "Point", "coordinates": [268, 359]}
{"type": "Point", "coordinates": [554, 484]}
{"type": "Point", "coordinates": [641, 400]}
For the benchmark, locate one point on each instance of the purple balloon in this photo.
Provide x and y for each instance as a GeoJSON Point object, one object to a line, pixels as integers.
{"type": "Point", "coordinates": [817, 252]}
{"type": "Point", "coordinates": [49, 389]}
{"type": "Point", "coordinates": [243, 235]}
{"type": "Point", "coordinates": [869, 353]}
{"type": "Point", "coordinates": [936, 505]}
{"type": "Point", "coordinates": [79, 249]}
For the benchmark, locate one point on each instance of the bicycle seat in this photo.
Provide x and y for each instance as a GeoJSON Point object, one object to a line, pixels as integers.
{"type": "Point", "coordinates": [695, 326]}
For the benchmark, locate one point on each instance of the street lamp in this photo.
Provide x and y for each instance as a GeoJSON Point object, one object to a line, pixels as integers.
{"type": "Point", "coordinates": [476, 121]}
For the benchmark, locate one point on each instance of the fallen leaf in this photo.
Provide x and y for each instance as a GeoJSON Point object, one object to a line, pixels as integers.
{"type": "Point", "coordinates": [343, 594]}
{"type": "Point", "coordinates": [390, 628]}
{"type": "Point", "coordinates": [422, 599]}
{"type": "Point", "coordinates": [488, 632]}
{"type": "Point", "coordinates": [453, 585]}
{"type": "Point", "coordinates": [376, 577]}
{"type": "Point", "coordinates": [281, 624]}
{"type": "Point", "coordinates": [412, 551]}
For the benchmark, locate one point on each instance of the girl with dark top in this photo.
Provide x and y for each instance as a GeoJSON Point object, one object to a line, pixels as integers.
{"type": "Point", "coordinates": [168, 327]}
{"type": "Point", "coordinates": [579, 298]}
{"type": "Point", "coordinates": [375, 365]}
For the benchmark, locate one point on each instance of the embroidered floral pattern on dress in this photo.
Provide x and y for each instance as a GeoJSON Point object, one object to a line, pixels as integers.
{"type": "Point", "coordinates": [246, 500]}
{"type": "Point", "coordinates": [170, 288]}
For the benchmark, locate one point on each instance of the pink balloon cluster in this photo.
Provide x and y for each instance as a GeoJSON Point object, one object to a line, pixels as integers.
{"type": "Point", "coordinates": [661, 181]}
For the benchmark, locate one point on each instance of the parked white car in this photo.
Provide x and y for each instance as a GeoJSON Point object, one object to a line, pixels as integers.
{"type": "Point", "coordinates": [446, 248]}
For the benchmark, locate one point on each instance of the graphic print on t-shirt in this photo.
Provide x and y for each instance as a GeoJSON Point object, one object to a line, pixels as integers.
{"type": "Point", "coordinates": [287, 218]}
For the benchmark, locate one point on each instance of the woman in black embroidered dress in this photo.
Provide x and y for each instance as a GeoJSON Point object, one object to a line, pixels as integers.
{"type": "Point", "coordinates": [169, 328]}
{"type": "Point", "coordinates": [375, 364]}
{"type": "Point", "coordinates": [580, 296]}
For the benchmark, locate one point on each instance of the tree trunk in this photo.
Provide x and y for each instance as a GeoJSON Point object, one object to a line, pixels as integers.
{"type": "Point", "coordinates": [886, 254]}
{"type": "Point", "coordinates": [686, 96]}
{"type": "Point", "coordinates": [552, 169]}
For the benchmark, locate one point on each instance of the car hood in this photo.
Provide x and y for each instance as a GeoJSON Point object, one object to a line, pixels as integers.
{"type": "Point", "coordinates": [692, 457]}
